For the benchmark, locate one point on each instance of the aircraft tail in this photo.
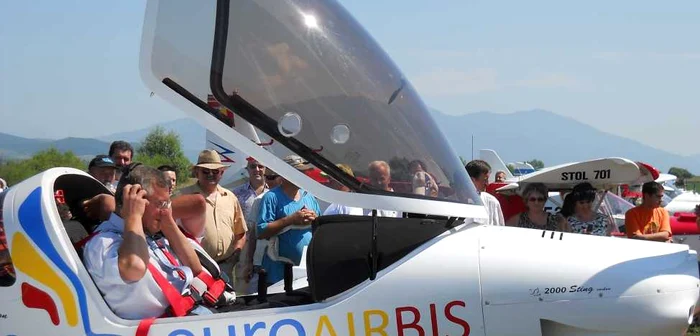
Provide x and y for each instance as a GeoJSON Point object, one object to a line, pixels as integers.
{"type": "Point", "coordinates": [231, 156]}
{"type": "Point", "coordinates": [492, 158]}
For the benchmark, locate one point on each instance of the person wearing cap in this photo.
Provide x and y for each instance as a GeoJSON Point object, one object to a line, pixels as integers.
{"type": "Point", "coordinates": [103, 169]}
{"type": "Point", "coordinates": [284, 219]}
{"type": "Point", "coordinates": [583, 219]}
{"type": "Point", "coordinates": [246, 194]}
{"type": "Point", "coordinates": [339, 209]}
{"type": "Point", "coordinates": [224, 227]}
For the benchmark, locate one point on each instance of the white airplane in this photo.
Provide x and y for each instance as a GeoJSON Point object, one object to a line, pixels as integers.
{"type": "Point", "coordinates": [683, 220]}
{"type": "Point", "coordinates": [603, 174]}
{"type": "Point", "coordinates": [307, 75]}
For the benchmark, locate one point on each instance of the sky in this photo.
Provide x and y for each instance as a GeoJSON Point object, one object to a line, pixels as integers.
{"type": "Point", "coordinates": [632, 68]}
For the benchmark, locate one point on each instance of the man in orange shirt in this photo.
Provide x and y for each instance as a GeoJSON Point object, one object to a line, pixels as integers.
{"type": "Point", "coordinates": [649, 221]}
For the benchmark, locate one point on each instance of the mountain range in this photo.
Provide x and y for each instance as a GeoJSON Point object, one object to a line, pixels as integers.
{"type": "Point", "coordinates": [519, 136]}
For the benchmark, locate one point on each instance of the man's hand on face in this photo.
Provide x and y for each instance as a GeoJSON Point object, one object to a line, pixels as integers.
{"type": "Point", "coordinates": [167, 222]}
{"type": "Point", "coordinates": [134, 201]}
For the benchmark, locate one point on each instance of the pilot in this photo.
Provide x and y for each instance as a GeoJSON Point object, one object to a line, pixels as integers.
{"type": "Point", "coordinates": [129, 245]}
{"type": "Point", "coordinates": [649, 221]}
{"type": "Point", "coordinates": [285, 218]}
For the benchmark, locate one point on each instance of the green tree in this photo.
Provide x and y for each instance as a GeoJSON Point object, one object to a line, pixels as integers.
{"type": "Point", "coordinates": [537, 164]}
{"type": "Point", "coordinates": [15, 171]}
{"type": "Point", "coordinates": [161, 148]}
{"type": "Point", "coordinates": [511, 168]}
{"type": "Point", "coordinates": [682, 174]}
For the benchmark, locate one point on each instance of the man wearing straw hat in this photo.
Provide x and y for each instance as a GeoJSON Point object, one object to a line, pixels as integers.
{"type": "Point", "coordinates": [224, 228]}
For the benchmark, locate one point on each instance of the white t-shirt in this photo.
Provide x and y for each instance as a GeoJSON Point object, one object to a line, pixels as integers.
{"type": "Point", "coordinates": [493, 209]}
{"type": "Point", "coordinates": [131, 301]}
{"type": "Point", "coordinates": [384, 213]}
{"type": "Point", "coordinates": [338, 209]}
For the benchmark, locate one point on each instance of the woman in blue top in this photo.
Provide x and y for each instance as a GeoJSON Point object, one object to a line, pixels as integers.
{"type": "Point", "coordinates": [285, 217]}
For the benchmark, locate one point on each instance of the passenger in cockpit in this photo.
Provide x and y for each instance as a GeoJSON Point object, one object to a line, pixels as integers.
{"type": "Point", "coordinates": [128, 246]}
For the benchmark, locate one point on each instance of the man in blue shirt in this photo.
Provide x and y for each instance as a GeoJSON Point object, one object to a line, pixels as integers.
{"type": "Point", "coordinates": [285, 217]}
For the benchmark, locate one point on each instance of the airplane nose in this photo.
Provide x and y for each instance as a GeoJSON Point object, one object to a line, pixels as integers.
{"type": "Point", "coordinates": [552, 283]}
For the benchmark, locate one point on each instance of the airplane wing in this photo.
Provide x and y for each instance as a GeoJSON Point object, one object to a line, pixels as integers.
{"type": "Point", "coordinates": [601, 173]}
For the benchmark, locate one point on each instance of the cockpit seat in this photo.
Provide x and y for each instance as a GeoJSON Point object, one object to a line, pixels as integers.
{"type": "Point", "coordinates": [76, 189]}
{"type": "Point", "coordinates": [339, 255]}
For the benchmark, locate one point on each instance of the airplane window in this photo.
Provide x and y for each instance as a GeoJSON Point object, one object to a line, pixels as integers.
{"type": "Point", "coordinates": [7, 271]}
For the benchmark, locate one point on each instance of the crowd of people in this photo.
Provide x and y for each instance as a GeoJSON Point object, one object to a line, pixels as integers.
{"type": "Point", "coordinates": [190, 238]}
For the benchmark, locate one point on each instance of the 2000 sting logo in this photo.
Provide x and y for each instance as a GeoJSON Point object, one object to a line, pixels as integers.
{"type": "Point", "coordinates": [570, 289]}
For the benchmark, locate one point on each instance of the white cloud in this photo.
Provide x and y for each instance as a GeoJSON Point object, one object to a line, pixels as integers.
{"type": "Point", "coordinates": [449, 82]}
{"type": "Point", "coordinates": [549, 81]}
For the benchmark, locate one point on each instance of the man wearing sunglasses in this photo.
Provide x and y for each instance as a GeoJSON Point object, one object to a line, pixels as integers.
{"type": "Point", "coordinates": [141, 236]}
{"type": "Point", "coordinates": [224, 228]}
{"type": "Point", "coordinates": [649, 221]}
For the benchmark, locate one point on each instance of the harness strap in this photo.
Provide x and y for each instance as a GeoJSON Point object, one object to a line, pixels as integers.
{"type": "Point", "coordinates": [179, 305]}
{"type": "Point", "coordinates": [170, 258]}
{"type": "Point", "coordinates": [144, 326]}
{"type": "Point", "coordinates": [81, 243]}
{"type": "Point", "coordinates": [214, 288]}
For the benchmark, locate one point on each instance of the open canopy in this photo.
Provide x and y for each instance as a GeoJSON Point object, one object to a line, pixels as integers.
{"type": "Point", "coordinates": [306, 75]}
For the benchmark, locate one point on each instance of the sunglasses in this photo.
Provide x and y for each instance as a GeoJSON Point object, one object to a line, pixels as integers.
{"type": "Point", "coordinates": [271, 177]}
{"type": "Point", "coordinates": [206, 171]}
{"type": "Point", "coordinates": [583, 201]}
{"type": "Point", "coordinates": [537, 199]}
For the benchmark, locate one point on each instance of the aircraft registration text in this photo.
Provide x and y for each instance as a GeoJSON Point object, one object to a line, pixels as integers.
{"type": "Point", "coordinates": [602, 174]}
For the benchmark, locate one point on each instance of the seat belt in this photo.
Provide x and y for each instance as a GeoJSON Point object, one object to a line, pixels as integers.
{"type": "Point", "coordinates": [179, 305]}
